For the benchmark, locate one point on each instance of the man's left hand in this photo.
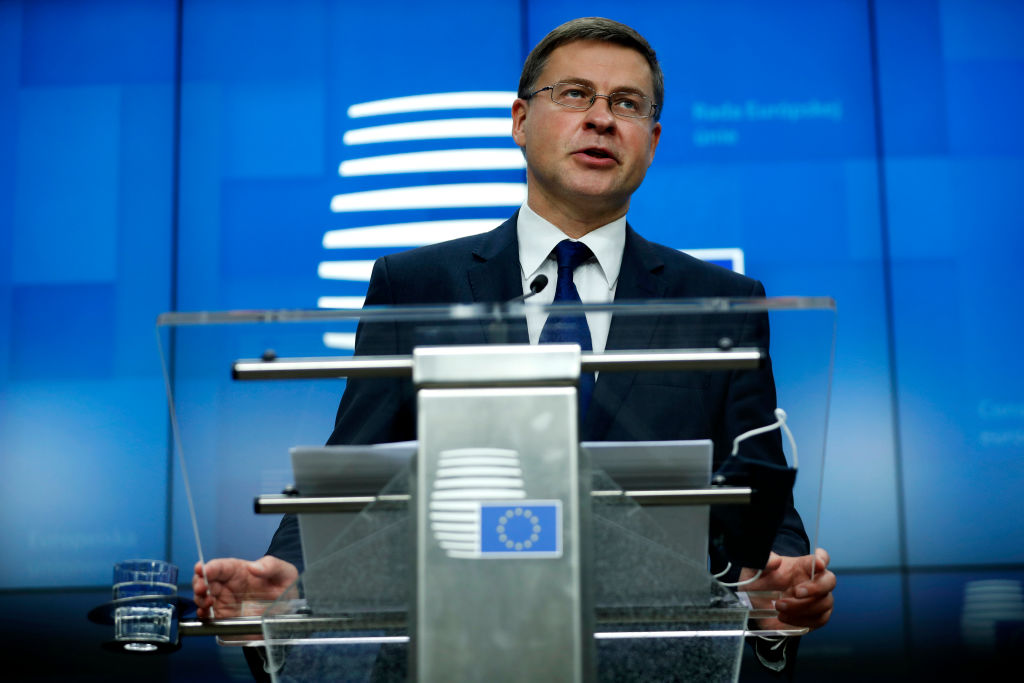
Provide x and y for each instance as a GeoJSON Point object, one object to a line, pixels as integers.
{"type": "Point", "coordinates": [805, 601]}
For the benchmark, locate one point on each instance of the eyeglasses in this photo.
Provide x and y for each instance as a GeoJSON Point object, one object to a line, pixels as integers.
{"type": "Point", "coordinates": [629, 105]}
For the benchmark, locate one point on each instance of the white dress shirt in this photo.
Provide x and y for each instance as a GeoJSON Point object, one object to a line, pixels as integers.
{"type": "Point", "coordinates": [595, 279]}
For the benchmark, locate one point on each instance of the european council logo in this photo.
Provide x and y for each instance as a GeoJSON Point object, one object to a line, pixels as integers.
{"type": "Point", "coordinates": [525, 528]}
{"type": "Point", "coordinates": [479, 508]}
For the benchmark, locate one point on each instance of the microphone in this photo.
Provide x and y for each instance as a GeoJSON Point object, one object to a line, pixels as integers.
{"type": "Point", "coordinates": [536, 287]}
{"type": "Point", "coordinates": [498, 329]}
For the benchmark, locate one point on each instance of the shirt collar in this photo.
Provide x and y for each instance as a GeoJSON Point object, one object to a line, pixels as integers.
{"type": "Point", "coordinates": [538, 237]}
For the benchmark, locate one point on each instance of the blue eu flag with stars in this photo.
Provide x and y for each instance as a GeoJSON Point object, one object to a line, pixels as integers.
{"type": "Point", "coordinates": [528, 528]}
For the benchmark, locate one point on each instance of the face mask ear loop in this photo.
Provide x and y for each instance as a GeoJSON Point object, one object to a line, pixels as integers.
{"type": "Point", "coordinates": [728, 566]}
{"type": "Point", "coordinates": [745, 582]}
{"type": "Point", "coordinates": [781, 414]}
{"type": "Point", "coordinates": [780, 422]}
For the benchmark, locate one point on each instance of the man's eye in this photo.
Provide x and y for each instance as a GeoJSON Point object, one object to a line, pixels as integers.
{"type": "Point", "coordinates": [575, 93]}
{"type": "Point", "coordinates": [627, 103]}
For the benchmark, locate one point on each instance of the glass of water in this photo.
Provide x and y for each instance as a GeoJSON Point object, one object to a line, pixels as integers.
{"type": "Point", "coordinates": [145, 593]}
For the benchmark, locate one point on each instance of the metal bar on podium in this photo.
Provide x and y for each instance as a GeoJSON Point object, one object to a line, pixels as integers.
{"type": "Point", "coordinates": [665, 360]}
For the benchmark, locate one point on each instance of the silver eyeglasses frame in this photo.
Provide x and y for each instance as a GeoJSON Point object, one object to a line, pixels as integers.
{"type": "Point", "coordinates": [594, 95]}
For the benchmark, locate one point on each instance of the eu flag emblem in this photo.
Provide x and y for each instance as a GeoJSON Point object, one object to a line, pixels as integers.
{"type": "Point", "coordinates": [523, 528]}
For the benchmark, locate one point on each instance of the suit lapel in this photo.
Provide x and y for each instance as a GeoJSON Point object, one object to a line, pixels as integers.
{"type": "Point", "coordinates": [640, 275]}
{"type": "Point", "coordinates": [639, 280]}
{"type": "Point", "coordinates": [495, 277]}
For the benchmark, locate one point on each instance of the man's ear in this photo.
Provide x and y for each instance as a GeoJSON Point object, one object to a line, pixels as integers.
{"type": "Point", "coordinates": [519, 109]}
{"type": "Point", "coordinates": [655, 136]}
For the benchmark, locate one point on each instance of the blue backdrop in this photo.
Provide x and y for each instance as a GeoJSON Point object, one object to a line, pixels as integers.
{"type": "Point", "coordinates": [161, 157]}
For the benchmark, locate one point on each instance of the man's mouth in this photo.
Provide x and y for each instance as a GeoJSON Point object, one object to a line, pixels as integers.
{"type": "Point", "coordinates": [597, 153]}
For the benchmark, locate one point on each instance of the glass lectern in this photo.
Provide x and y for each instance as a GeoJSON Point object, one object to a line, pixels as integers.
{"type": "Point", "coordinates": [471, 520]}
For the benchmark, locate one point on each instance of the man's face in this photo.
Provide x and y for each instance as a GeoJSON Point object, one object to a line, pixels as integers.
{"type": "Point", "coordinates": [586, 162]}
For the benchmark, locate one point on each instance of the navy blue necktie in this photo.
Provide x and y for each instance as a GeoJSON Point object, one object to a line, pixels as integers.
{"type": "Point", "coordinates": [570, 329]}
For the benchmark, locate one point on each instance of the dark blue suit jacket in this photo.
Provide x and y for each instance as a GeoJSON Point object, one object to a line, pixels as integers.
{"type": "Point", "coordinates": [624, 406]}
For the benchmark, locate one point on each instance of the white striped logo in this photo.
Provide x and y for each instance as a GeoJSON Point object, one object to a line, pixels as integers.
{"type": "Point", "coordinates": [437, 120]}
{"type": "Point", "coordinates": [467, 477]}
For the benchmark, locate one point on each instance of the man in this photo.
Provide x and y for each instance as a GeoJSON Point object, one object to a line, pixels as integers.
{"type": "Point", "coordinates": [586, 119]}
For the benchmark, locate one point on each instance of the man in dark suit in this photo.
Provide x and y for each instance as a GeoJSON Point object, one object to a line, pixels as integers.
{"type": "Point", "coordinates": [586, 119]}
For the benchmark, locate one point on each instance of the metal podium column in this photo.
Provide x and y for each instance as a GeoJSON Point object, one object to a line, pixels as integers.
{"type": "Point", "coordinates": [500, 588]}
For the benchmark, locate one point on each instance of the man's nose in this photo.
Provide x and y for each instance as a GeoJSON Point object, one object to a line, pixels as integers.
{"type": "Point", "coordinates": [600, 115]}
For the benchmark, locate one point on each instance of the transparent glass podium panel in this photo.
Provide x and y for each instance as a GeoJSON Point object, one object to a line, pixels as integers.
{"type": "Point", "coordinates": [655, 610]}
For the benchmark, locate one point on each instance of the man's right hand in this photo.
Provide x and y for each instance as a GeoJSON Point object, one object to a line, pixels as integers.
{"type": "Point", "coordinates": [233, 581]}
